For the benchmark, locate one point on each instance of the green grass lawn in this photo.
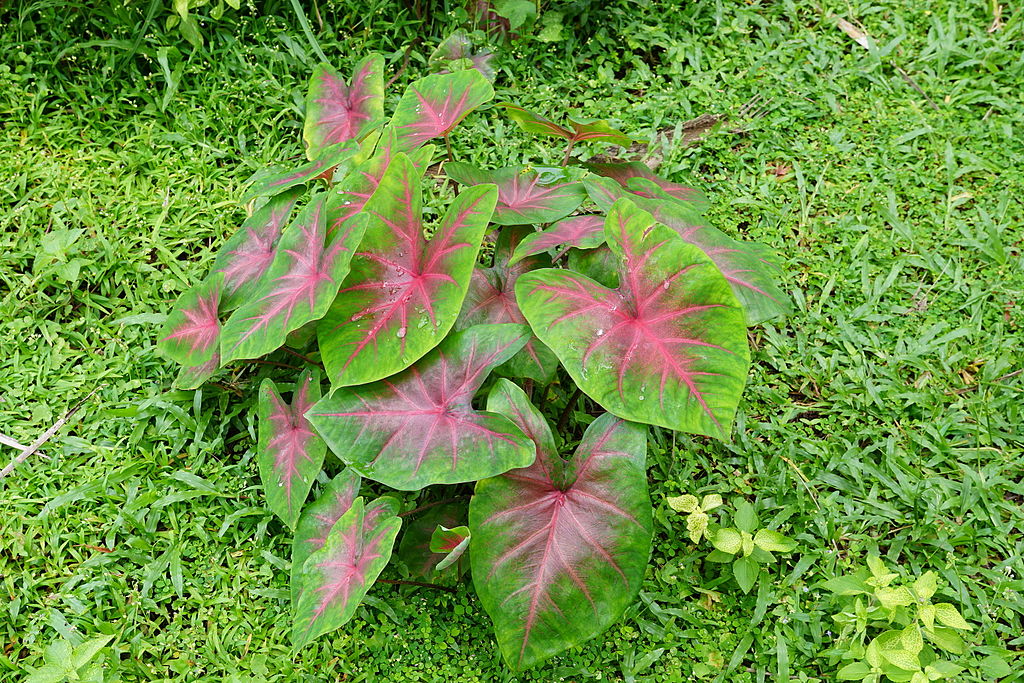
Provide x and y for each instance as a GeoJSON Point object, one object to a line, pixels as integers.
{"type": "Point", "coordinates": [884, 416]}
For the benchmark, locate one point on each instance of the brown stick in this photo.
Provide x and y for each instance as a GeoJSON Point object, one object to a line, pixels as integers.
{"type": "Point", "coordinates": [421, 508]}
{"type": "Point", "coordinates": [35, 445]}
{"type": "Point", "coordinates": [302, 357]}
{"type": "Point", "coordinates": [563, 420]}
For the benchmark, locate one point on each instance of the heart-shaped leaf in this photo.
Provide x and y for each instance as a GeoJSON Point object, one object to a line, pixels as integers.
{"type": "Point", "coordinates": [650, 185]}
{"type": "Point", "coordinates": [747, 266]}
{"type": "Point", "coordinates": [404, 292]}
{"type": "Point", "coordinates": [491, 300]}
{"type": "Point", "coordinates": [336, 112]}
{"type": "Point", "coordinates": [192, 331]}
{"type": "Point", "coordinates": [414, 548]}
{"type": "Point", "coordinates": [277, 179]}
{"type": "Point", "coordinates": [559, 548]}
{"type": "Point", "coordinates": [450, 542]}
{"type": "Point", "coordinates": [245, 257]}
{"type": "Point", "coordinates": [335, 578]}
{"type": "Point", "coordinates": [668, 347]}
{"type": "Point", "coordinates": [194, 376]}
{"type": "Point", "coordinates": [290, 454]}
{"type": "Point", "coordinates": [432, 106]}
{"type": "Point", "coordinates": [298, 287]}
{"type": "Point", "coordinates": [319, 517]}
{"type": "Point", "coordinates": [523, 196]}
{"type": "Point", "coordinates": [419, 427]}
{"type": "Point", "coordinates": [582, 232]}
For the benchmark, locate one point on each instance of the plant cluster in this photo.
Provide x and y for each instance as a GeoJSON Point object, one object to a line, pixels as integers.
{"type": "Point", "coordinates": [601, 280]}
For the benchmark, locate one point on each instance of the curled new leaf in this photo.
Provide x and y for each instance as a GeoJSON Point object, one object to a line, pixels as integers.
{"type": "Point", "coordinates": [404, 292]}
{"type": "Point", "coordinates": [414, 549]}
{"type": "Point", "coordinates": [524, 195]}
{"type": "Point", "coordinates": [450, 542]}
{"type": "Point", "coordinates": [667, 347]}
{"type": "Point", "coordinates": [319, 517]}
{"type": "Point", "coordinates": [432, 106]}
{"type": "Point", "coordinates": [192, 330]}
{"type": "Point", "coordinates": [289, 453]}
{"type": "Point", "coordinates": [335, 578]}
{"type": "Point", "coordinates": [336, 112]}
{"type": "Point", "coordinates": [297, 288]}
{"type": "Point", "coordinates": [419, 427]}
{"type": "Point", "coordinates": [559, 548]}
{"type": "Point", "coordinates": [491, 300]}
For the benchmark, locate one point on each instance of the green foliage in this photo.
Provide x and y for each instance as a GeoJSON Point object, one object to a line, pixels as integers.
{"type": "Point", "coordinates": [891, 629]}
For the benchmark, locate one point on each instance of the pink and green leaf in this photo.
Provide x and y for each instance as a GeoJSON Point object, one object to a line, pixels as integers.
{"type": "Point", "coordinates": [534, 123]}
{"type": "Point", "coordinates": [335, 578]}
{"type": "Point", "coordinates": [194, 376]}
{"type": "Point", "coordinates": [404, 292]}
{"type": "Point", "coordinates": [299, 286]}
{"type": "Point", "coordinates": [337, 112]}
{"type": "Point", "coordinates": [583, 232]}
{"type": "Point", "coordinates": [559, 548]}
{"type": "Point", "coordinates": [597, 129]}
{"type": "Point", "coordinates": [192, 332]}
{"type": "Point", "coordinates": [523, 194]}
{"type": "Point", "coordinates": [600, 264]}
{"type": "Point", "coordinates": [276, 179]}
{"type": "Point", "coordinates": [290, 454]}
{"type": "Point", "coordinates": [639, 179]}
{"type": "Point", "coordinates": [414, 548]}
{"type": "Point", "coordinates": [579, 130]}
{"type": "Point", "coordinates": [246, 255]}
{"type": "Point", "coordinates": [450, 542]}
{"type": "Point", "coordinates": [419, 427]}
{"type": "Point", "coordinates": [749, 267]}
{"type": "Point", "coordinates": [491, 300]}
{"type": "Point", "coordinates": [432, 106]}
{"type": "Point", "coordinates": [667, 347]}
{"type": "Point", "coordinates": [459, 48]}
{"type": "Point", "coordinates": [319, 517]}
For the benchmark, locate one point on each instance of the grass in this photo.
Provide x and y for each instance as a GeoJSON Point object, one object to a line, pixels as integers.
{"type": "Point", "coordinates": [885, 416]}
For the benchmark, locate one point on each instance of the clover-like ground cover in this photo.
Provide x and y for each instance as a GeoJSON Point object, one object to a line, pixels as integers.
{"type": "Point", "coordinates": [890, 390]}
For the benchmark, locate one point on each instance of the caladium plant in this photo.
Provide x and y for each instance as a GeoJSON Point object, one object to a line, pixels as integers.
{"type": "Point", "coordinates": [535, 286]}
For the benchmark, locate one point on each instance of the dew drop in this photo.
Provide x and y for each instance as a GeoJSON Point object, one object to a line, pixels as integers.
{"type": "Point", "coordinates": [664, 285]}
{"type": "Point", "coordinates": [600, 332]}
{"type": "Point", "coordinates": [281, 482]}
{"type": "Point", "coordinates": [358, 316]}
{"type": "Point", "coordinates": [401, 333]}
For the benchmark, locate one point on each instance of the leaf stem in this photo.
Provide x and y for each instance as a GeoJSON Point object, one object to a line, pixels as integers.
{"type": "Point", "coordinates": [302, 357]}
{"type": "Point", "coordinates": [448, 145]}
{"type": "Point", "coordinates": [568, 151]}
{"type": "Point", "coordinates": [421, 584]}
{"type": "Point", "coordinates": [563, 420]}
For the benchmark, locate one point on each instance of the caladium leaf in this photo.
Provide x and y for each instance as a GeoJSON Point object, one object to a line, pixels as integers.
{"type": "Point", "coordinates": [578, 130]}
{"type": "Point", "coordinates": [491, 299]}
{"type": "Point", "coordinates": [276, 179]}
{"type": "Point", "coordinates": [192, 330]}
{"type": "Point", "coordinates": [414, 548]}
{"type": "Point", "coordinates": [335, 578]}
{"type": "Point", "coordinates": [319, 517]}
{"type": "Point", "coordinates": [600, 264]}
{"type": "Point", "coordinates": [432, 106]}
{"type": "Point", "coordinates": [458, 48]}
{"type": "Point", "coordinates": [639, 179]}
{"type": "Point", "coordinates": [298, 287]}
{"type": "Point", "coordinates": [194, 376]}
{"type": "Point", "coordinates": [749, 267]}
{"type": "Point", "coordinates": [356, 188]}
{"type": "Point", "coordinates": [450, 542]}
{"type": "Point", "coordinates": [419, 427]}
{"type": "Point", "coordinates": [404, 292]}
{"type": "Point", "coordinates": [582, 232]}
{"type": "Point", "coordinates": [559, 548]}
{"type": "Point", "coordinates": [248, 253]}
{"type": "Point", "coordinates": [289, 453]}
{"type": "Point", "coordinates": [667, 347]}
{"type": "Point", "coordinates": [336, 112]}
{"type": "Point", "coordinates": [523, 195]}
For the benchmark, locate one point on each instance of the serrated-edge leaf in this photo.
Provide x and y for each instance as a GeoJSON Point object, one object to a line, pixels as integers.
{"type": "Point", "coordinates": [298, 287]}
{"type": "Point", "coordinates": [335, 578]}
{"type": "Point", "coordinates": [668, 347]}
{"type": "Point", "coordinates": [559, 548]}
{"type": "Point", "coordinates": [745, 571]}
{"type": "Point", "coordinates": [404, 292]}
{"type": "Point", "coordinates": [289, 453]}
{"type": "Point", "coordinates": [773, 541]}
{"type": "Point", "coordinates": [948, 615]}
{"type": "Point", "coordinates": [419, 427]}
{"type": "Point", "coordinates": [727, 540]}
